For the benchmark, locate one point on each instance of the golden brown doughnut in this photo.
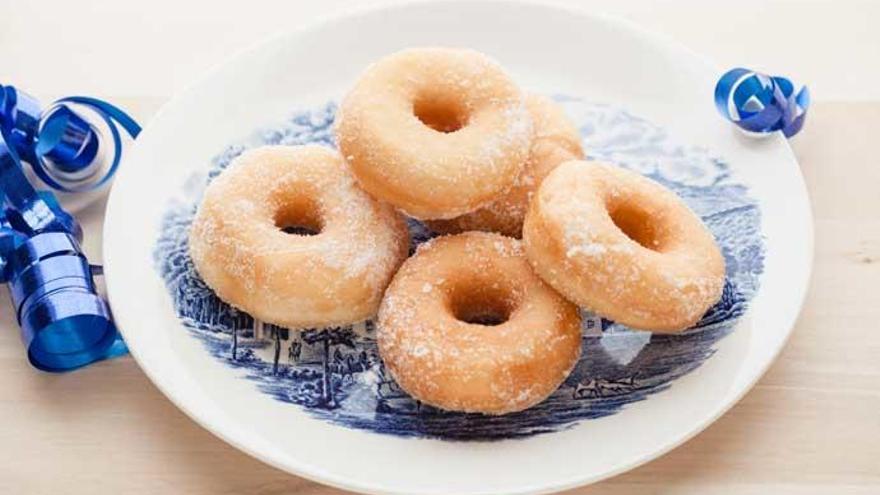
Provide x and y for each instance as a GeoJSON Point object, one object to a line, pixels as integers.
{"type": "Point", "coordinates": [436, 132]}
{"type": "Point", "coordinates": [332, 278]}
{"type": "Point", "coordinates": [466, 325]}
{"type": "Point", "coordinates": [556, 140]}
{"type": "Point", "coordinates": [623, 246]}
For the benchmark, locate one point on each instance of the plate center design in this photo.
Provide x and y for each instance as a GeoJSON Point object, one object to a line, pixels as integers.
{"type": "Point", "coordinates": [336, 373]}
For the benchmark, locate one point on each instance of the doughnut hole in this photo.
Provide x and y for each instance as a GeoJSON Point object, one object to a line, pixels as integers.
{"type": "Point", "coordinates": [299, 215]}
{"type": "Point", "coordinates": [638, 224]}
{"type": "Point", "coordinates": [483, 303]}
{"type": "Point", "coordinates": [443, 113]}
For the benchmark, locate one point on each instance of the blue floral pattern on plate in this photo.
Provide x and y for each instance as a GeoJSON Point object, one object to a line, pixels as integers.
{"type": "Point", "coordinates": [336, 373]}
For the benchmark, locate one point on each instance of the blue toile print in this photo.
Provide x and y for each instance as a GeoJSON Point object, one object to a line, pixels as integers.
{"type": "Point", "coordinates": [336, 373]}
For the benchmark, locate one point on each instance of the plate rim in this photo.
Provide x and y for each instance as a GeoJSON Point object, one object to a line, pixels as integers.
{"type": "Point", "coordinates": [302, 467]}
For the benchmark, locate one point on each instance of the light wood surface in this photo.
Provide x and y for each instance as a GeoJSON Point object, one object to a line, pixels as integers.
{"type": "Point", "coordinates": [810, 426]}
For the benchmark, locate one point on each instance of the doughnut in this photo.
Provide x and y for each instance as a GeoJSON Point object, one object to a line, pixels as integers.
{"type": "Point", "coordinates": [556, 140]}
{"type": "Point", "coordinates": [436, 132]}
{"type": "Point", "coordinates": [466, 325]}
{"type": "Point", "coordinates": [623, 246]}
{"type": "Point", "coordinates": [286, 235]}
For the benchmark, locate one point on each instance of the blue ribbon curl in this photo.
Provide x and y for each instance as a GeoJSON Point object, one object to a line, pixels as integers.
{"type": "Point", "coordinates": [761, 104]}
{"type": "Point", "coordinates": [60, 145]}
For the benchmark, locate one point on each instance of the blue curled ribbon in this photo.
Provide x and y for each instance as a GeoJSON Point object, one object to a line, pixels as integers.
{"type": "Point", "coordinates": [760, 104]}
{"type": "Point", "coordinates": [60, 145]}
{"type": "Point", "coordinates": [64, 323]}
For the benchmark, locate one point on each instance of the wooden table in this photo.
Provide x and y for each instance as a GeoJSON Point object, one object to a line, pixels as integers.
{"type": "Point", "coordinates": [810, 426]}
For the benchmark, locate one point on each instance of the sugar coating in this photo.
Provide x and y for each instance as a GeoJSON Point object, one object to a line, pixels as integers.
{"type": "Point", "coordinates": [427, 173]}
{"type": "Point", "coordinates": [573, 240]}
{"type": "Point", "coordinates": [332, 278]}
{"type": "Point", "coordinates": [556, 140]}
{"type": "Point", "coordinates": [460, 366]}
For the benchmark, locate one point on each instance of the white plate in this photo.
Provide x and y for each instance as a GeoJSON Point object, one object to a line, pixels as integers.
{"type": "Point", "coordinates": [634, 397]}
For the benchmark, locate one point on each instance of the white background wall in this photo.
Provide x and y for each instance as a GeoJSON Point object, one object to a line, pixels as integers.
{"type": "Point", "coordinates": [153, 48]}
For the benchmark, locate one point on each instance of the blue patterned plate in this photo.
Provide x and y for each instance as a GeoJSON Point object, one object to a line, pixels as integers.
{"type": "Point", "coordinates": [319, 403]}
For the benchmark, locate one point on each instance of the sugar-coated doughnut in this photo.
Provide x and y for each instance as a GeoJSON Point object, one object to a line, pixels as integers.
{"type": "Point", "coordinates": [624, 246]}
{"type": "Point", "coordinates": [556, 140]}
{"type": "Point", "coordinates": [436, 132]}
{"type": "Point", "coordinates": [466, 325]}
{"type": "Point", "coordinates": [336, 276]}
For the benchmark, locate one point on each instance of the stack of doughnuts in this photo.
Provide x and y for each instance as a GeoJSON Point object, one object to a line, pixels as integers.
{"type": "Point", "coordinates": [476, 320]}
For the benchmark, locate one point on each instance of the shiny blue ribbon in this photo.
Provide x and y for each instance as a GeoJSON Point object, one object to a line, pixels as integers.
{"type": "Point", "coordinates": [760, 104]}
{"type": "Point", "coordinates": [59, 144]}
{"type": "Point", "coordinates": [64, 323]}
